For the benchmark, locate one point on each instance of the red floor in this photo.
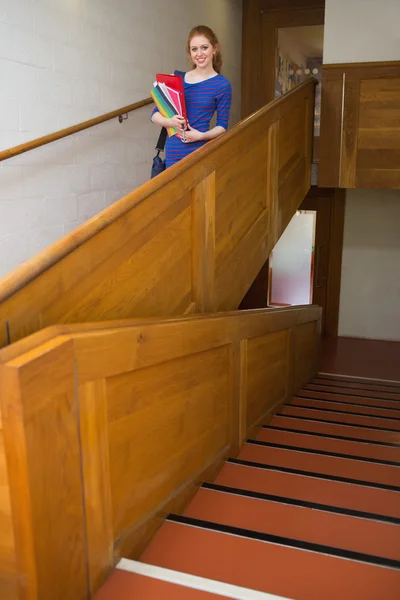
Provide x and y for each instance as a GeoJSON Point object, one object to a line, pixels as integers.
{"type": "Point", "coordinates": [361, 358]}
{"type": "Point", "coordinates": [309, 509]}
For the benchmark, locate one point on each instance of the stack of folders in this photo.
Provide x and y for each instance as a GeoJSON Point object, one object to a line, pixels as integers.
{"type": "Point", "coordinates": [168, 96]}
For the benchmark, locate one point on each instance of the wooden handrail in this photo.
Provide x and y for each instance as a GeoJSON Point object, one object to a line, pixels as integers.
{"type": "Point", "coordinates": [16, 280]}
{"type": "Point", "coordinates": [58, 135]}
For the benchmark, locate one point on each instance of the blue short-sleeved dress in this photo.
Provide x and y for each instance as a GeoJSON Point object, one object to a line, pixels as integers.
{"type": "Point", "coordinates": [202, 100]}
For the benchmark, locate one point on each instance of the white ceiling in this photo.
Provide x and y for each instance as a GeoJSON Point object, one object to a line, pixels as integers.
{"type": "Point", "coordinates": [308, 40]}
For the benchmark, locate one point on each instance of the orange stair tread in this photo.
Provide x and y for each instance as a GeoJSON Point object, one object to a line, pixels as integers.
{"type": "Point", "coordinates": [319, 527]}
{"type": "Point", "coordinates": [323, 465]}
{"type": "Point", "coordinates": [352, 393]}
{"type": "Point", "coordinates": [386, 424]}
{"type": "Point", "coordinates": [352, 431]}
{"type": "Point", "coordinates": [327, 444]}
{"type": "Point", "coordinates": [362, 380]}
{"type": "Point", "coordinates": [308, 489]}
{"type": "Point", "coordinates": [264, 566]}
{"type": "Point", "coordinates": [359, 387]}
{"type": "Point", "coordinates": [327, 404]}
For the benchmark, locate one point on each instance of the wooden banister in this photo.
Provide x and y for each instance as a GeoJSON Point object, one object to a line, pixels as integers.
{"type": "Point", "coordinates": [214, 216]}
{"type": "Point", "coordinates": [58, 135]}
{"type": "Point", "coordinates": [108, 429]}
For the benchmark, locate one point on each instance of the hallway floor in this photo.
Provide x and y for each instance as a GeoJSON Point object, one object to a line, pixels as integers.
{"type": "Point", "coordinates": [361, 358]}
{"type": "Point", "coordinates": [309, 509]}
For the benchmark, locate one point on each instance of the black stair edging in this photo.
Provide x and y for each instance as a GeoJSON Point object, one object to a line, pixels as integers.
{"type": "Point", "coordinates": [376, 461]}
{"type": "Point", "coordinates": [343, 423]}
{"type": "Point", "coordinates": [343, 412]}
{"type": "Point", "coordinates": [348, 512]}
{"type": "Point", "coordinates": [349, 394]}
{"type": "Point", "coordinates": [343, 438]}
{"type": "Point", "coordinates": [314, 475]}
{"type": "Point", "coordinates": [299, 397]}
{"type": "Point", "coordinates": [285, 541]}
{"type": "Point", "coordinates": [367, 382]}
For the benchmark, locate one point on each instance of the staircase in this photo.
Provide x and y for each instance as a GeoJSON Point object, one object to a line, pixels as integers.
{"type": "Point", "coordinates": [309, 509]}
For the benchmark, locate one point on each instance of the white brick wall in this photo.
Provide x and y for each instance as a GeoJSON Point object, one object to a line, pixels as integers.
{"type": "Point", "coordinates": [65, 61]}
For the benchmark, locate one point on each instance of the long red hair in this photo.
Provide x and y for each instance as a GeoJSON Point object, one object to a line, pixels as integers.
{"type": "Point", "coordinates": [208, 33]}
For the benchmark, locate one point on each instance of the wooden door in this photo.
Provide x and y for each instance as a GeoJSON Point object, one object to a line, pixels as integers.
{"type": "Point", "coordinates": [322, 206]}
{"type": "Point", "coordinates": [329, 205]}
{"type": "Point", "coordinates": [261, 21]}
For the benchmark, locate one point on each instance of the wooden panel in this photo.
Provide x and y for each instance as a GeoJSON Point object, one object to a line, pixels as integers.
{"type": "Point", "coordinates": [267, 374]}
{"type": "Point", "coordinates": [306, 338]}
{"type": "Point", "coordinates": [331, 127]}
{"type": "Point", "coordinates": [8, 567]}
{"type": "Point", "coordinates": [254, 247]}
{"type": "Point", "coordinates": [378, 148]}
{"type": "Point", "coordinates": [360, 143]}
{"type": "Point", "coordinates": [165, 422]}
{"type": "Point", "coordinates": [41, 438]}
{"type": "Point", "coordinates": [203, 250]}
{"type": "Point", "coordinates": [96, 480]}
{"type": "Point", "coordinates": [237, 209]}
{"type": "Point", "coordinates": [159, 405]}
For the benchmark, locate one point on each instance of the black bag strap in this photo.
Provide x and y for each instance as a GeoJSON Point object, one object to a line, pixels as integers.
{"type": "Point", "coordinates": [161, 140]}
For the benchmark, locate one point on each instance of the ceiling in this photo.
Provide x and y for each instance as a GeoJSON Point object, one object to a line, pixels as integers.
{"type": "Point", "coordinates": [308, 40]}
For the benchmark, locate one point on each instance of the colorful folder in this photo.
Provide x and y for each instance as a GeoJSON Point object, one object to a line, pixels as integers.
{"type": "Point", "coordinates": [168, 95]}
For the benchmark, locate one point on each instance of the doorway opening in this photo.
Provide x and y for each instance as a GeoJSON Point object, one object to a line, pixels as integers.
{"type": "Point", "coordinates": [291, 263]}
{"type": "Point", "coordinates": [298, 56]}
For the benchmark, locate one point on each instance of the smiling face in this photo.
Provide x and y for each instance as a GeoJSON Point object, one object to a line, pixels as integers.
{"type": "Point", "coordinates": [201, 52]}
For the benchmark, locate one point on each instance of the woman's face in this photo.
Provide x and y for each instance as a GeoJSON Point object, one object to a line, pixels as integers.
{"type": "Point", "coordinates": [201, 51]}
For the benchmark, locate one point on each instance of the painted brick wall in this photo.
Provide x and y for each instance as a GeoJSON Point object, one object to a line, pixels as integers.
{"type": "Point", "coordinates": [65, 61]}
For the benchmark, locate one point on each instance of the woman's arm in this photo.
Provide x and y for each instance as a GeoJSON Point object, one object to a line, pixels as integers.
{"type": "Point", "coordinates": [177, 122]}
{"type": "Point", "coordinates": [193, 135]}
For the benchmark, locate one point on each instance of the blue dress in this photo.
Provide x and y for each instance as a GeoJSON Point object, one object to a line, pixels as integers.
{"type": "Point", "coordinates": [202, 100]}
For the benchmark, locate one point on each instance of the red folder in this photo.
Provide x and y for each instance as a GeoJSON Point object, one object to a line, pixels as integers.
{"type": "Point", "coordinates": [174, 84]}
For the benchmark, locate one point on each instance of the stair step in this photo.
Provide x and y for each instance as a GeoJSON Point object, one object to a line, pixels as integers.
{"type": "Point", "coordinates": [319, 442]}
{"type": "Point", "coordinates": [382, 424]}
{"type": "Point", "coordinates": [354, 392]}
{"type": "Point", "coordinates": [345, 399]}
{"type": "Point", "coordinates": [391, 384]}
{"type": "Point", "coordinates": [309, 489]}
{"type": "Point", "coordinates": [139, 581]}
{"type": "Point", "coordinates": [300, 523]}
{"type": "Point", "coordinates": [351, 470]}
{"type": "Point", "coordinates": [344, 407]}
{"type": "Point", "coordinates": [264, 566]}
{"type": "Point", "coordinates": [346, 430]}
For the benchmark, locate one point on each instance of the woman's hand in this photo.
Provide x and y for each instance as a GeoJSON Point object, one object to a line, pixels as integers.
{"type": "Point", "coordinates": [191, 135]}
{"type": "Point", "coordinates": [177, 122]}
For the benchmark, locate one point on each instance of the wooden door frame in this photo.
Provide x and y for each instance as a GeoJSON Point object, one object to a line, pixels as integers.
{"type": "Point", "coordinates": [261, 21]}
{"type": "Point", "coordinates": [337, 199]}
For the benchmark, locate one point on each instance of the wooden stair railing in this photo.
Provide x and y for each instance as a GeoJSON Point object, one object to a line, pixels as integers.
{"type": "Point", "coordinates": [106, 428]}
{"type": "Point", "coordinates": [191, 240]}
{"type": "Point", "coordinates": [62, 133]}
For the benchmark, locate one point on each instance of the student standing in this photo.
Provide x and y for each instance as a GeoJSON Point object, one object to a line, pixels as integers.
{"type": "Point", "coordinates": [206, 92]}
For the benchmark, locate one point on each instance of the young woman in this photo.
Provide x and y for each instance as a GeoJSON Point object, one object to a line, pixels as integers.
{"type": "Point", "coordinates": [206, 92]}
